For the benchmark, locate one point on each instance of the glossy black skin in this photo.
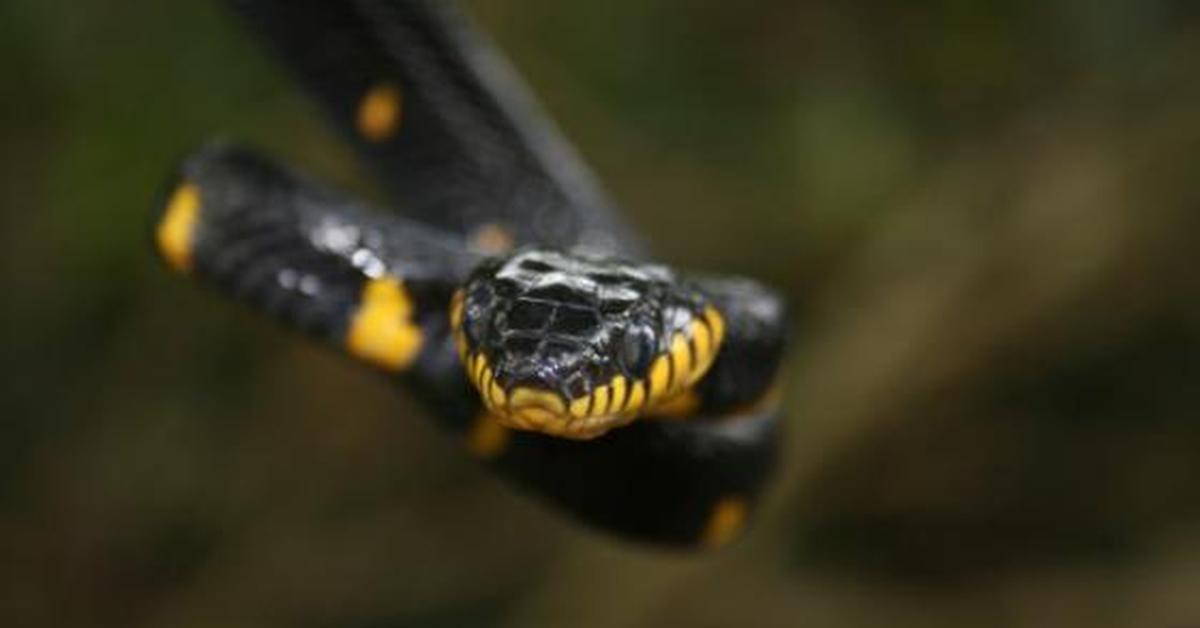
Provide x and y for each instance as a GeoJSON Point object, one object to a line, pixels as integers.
{"type": "Point", "coordinates": [472, 151]}
{"type": "Point", "coordinates": [561, 322]}
{"type": "Point", "coordinates": [475, 147]}
{"type": "Point", "coordinates": [745, 373]}
{"type": "Point", "coordinates": [302, 253]}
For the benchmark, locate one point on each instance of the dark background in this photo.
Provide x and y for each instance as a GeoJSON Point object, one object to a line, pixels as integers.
{"type": "Point", "coordinates": [984, 214]}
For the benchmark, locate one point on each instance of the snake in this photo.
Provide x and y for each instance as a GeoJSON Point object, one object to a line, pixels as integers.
{"type": "Point", "coordinates": [504, 291]}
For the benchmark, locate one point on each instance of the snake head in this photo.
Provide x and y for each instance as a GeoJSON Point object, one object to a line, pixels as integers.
{"type": "Point", "coordinates": [573, 345]}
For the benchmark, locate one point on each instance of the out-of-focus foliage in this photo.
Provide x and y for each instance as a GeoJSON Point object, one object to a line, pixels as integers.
{"type": "Point", "coordinates": [984, 214]}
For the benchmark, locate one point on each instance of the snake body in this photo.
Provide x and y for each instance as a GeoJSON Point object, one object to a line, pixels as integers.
{"type": "Point", "coordinates": [508, 296]}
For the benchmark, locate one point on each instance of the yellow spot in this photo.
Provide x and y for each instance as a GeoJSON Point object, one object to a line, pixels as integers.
{"type": "Point", "coordinates": [716, 323]}
{"type": "Point", "coordinates": [481, 371]}
{"type": "Point", "coordinates": [579, 407]}
{"type": "Point", "coordinates": [725, 522]}
{"type": "Point", "coordinates": [619, 385]}
{"type": "Point", "coordinates": [487, 438]}
{"type": "Point", "coordinates": [637, 397]}
{"type": "Point", "coordinates": [486, 379]}
{"type": "Point", "coordinates": [456, 310]}
{"type": "Point", "coordinates": [681, 358]}
{"type": "Point", "coordinates": [603, 397]}
{"type": "Point", "coordinates": [496, 395]}
{"type": "Point", "coordinates": [382, 331]}
{"type": "Point", "coordinates": [532, 397]}
{"type": "Point", "coordinates": [174, 233]}
{"type": "Point", "coordinates": [484, 374]}
{"type": "Point", "coordinates": [678, 406]}
{"type": "Point", "coordinates": [660, 377]}
{"type": "Point", "coordinates": [702, 341]}
{"type": "Point", "coordinates": [493, 239]}
{"type": "Point", "coordinates": [379, 112]}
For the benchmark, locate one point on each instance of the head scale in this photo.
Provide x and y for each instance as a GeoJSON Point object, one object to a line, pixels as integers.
{"type": "Point", "coordinates": [573, 345]}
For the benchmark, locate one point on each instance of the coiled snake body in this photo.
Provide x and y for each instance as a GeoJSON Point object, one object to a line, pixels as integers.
{"type": "Point", "coordinates": [509, 296]}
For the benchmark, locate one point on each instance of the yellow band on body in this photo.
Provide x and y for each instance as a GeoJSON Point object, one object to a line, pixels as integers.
{"type": "Point", "coordinates": [382, 331]}
{"type": "Point", "coordinates": [174, 234]}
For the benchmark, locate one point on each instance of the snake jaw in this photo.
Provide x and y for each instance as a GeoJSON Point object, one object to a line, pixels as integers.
{"type": "Point", "coordinates": [532, 409]}
{"type": "Point", "coordinates": [529, 403]}
{"type": "Point", "coordinates": [538, 410]}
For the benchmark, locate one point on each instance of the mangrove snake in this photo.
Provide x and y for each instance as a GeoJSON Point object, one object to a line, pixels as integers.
{"type": "Point", "coordinates": [510, 297]}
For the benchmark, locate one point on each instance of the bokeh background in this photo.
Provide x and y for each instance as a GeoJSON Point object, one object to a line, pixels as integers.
{"type": "Point", "coordinates": [985, 215]}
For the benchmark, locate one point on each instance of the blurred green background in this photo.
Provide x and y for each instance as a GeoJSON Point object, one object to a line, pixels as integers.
{"type": "Point", "coordinates": [984, 213]}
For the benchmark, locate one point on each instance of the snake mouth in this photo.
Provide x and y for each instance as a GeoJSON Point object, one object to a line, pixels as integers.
{"type": "Point", "coordinates": [546, 411]}
{"type": "Point", "coordinates": [537, 409]}
{"type": "Point", "coordinates": [533, 402]}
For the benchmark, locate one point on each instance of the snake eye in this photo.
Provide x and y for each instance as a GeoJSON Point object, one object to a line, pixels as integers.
{"type": "Point", "coordinates": [637, 347]}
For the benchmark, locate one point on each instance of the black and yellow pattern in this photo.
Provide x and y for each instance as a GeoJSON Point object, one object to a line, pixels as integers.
{"type": "Point", "coordinates": [633, 397]}
{"type": "Point", "coordinates": [444, 121]}
{"type": "Point", "coordinates": [316, 261]}
{"type": "Point", "coordinates": [575, 346]}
